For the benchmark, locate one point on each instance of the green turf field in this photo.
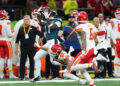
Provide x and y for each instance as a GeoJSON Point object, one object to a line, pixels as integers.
{"type": "Point", "coordinates": [61, 82]}
{"type": "Point", "coordinates": [110, 83]}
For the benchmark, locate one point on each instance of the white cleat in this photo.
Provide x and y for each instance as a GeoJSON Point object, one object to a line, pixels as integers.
{"type": "Point", "coordinates": [83, 82]}
{"type": "Point", "coordinates": [13, 77]}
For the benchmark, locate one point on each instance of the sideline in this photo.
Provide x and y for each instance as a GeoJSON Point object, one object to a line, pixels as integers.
{"type": "Point", "coordinates": [43, 81]}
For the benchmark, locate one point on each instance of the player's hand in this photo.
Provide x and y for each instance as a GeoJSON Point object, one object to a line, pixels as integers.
{"type": "Point", "coordinates": [46, 14]}
{"type": "Point", "coordinates": [36, 44]}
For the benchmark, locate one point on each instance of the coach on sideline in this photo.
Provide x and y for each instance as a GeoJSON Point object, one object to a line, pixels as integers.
{"type": "Point", "coordinates": [26, 35]}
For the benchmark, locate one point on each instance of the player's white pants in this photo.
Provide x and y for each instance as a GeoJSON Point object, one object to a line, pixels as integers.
{"type": "Point", "coordinates": [71, 76]}
{"type": "Point", "coordinates": [117, 66]}
{"type": "Point", "coordinates": [81, 66]}
{"type": "Point", "coordinates": [41, 53]}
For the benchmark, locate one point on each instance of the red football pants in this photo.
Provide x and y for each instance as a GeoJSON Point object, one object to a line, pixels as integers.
{"type": "Point", "coordinates": [6, 49]}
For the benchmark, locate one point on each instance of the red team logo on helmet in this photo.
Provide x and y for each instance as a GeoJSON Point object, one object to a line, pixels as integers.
{"type": "Point", "coordinates": [3, 14]}
{"type": "Point", "coordinates": [117, 13]}
{"type": "Point", "coordinates": [56, 49]}
{"type": "Point", "coordinates": [82, 17]}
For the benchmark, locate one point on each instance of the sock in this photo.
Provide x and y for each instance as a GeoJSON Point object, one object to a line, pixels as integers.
{"type": "Point", "coordinates": [2, 61]}
{"type": "Point", "coordinates": [37, 68]}
{"type": "Point", "coordinates": [10, 70]}
{"type": "Point", "coordinates": [81, 66]}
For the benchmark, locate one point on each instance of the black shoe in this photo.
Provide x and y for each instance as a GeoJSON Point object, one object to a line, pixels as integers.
{"type": "Point", "coordinates": [103, 77]}
{"type": "Point", "coordinates": [111, 76]}
{"type": "Point", "coordinates": [36, 79]}
{"type": "Point", "coordinates": [22, 78]}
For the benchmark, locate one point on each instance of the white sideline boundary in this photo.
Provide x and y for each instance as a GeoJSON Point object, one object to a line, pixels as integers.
{"type": "Point", "coordinates": [43, 81]}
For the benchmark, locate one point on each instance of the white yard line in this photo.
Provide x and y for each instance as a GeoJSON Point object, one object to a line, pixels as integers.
{"type": "Point", "coordinates": [43, 81]}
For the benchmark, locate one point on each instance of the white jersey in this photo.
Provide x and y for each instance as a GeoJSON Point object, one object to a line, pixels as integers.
{"type": "Point", "coordinates": [102, 39]}
{"type": "Point", "coordinates": [62, 58]}
{"type": "Point", "coordinates": [89, 30]}
{"type": "Point", "coordinates": [116, 28]}
{"type": "Point", "coordinates": [109, 34]}
{"type": "Point", "coordinates": [5, 30]}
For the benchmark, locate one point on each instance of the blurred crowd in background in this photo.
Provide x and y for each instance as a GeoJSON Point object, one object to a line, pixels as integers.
{"type": "Point", "coordinates": [17, 8]}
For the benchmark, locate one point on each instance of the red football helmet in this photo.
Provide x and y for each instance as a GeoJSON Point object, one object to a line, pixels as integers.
{"type": "Point", "coordinates": [117, 13]}
{"type": "Point", "coordinates": [56, 50]}
{"type": "Point", "coordinates": [35, 11]}
{"type": "Point", "coordinates": [82, 17]}
{"type": "Point", "coordinates": [3, 14]}
{"type": "Point", "coordinates": [75, 12]}
{"type": "Point", "coordinates": [34, 14]}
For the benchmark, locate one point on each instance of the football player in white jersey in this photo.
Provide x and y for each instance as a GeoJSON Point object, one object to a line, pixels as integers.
{"type": "Point", "coordinates": [85, 31]}
{"type": "Point", "coordinates": [101, 45]}
{"type": "Point", "coordinates": [116, 28]}
{"type": "Point", "coordinates": [81, 62]}
{"type": "Point", "coordinates": [60, 57]}
{"type": "Point", "coordinates": [6, 50]}
{"type": "Point", "coordinates": [109, 36]}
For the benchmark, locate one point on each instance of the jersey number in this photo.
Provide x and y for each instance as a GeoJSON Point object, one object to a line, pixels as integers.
{"type": "Point", "coordinates": [62, 54]}
{"type": "Point", "coordinates": [118, 27]}
{"type": "Point", "coordinates": [91, 34]}
{"type": "Point", "coordinates": [0, 30]}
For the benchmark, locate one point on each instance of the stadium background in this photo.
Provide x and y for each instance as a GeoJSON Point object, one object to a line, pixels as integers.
{"type": "Point", "coordinates": [114, 82]}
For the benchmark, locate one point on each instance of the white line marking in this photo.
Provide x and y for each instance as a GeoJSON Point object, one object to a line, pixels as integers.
{"type": "Point", "coordinates": [43, 81]}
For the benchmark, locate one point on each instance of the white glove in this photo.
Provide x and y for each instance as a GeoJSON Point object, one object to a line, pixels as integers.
{"type": "Point", "coordinates": [46, 14]}
{"type": "Point", "coordinates": [37, 44]}
{"type": "Point", "coordinates": [39, 9]}
{"type": "Point", "coordinates": [63, 71]}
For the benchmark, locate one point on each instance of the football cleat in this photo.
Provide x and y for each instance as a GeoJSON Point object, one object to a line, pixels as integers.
{"type": "Point", "coordinates": [35, 79]}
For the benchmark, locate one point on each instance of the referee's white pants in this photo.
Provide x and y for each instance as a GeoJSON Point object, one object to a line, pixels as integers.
{"type": "Point", "coordinates": [41, 53]}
